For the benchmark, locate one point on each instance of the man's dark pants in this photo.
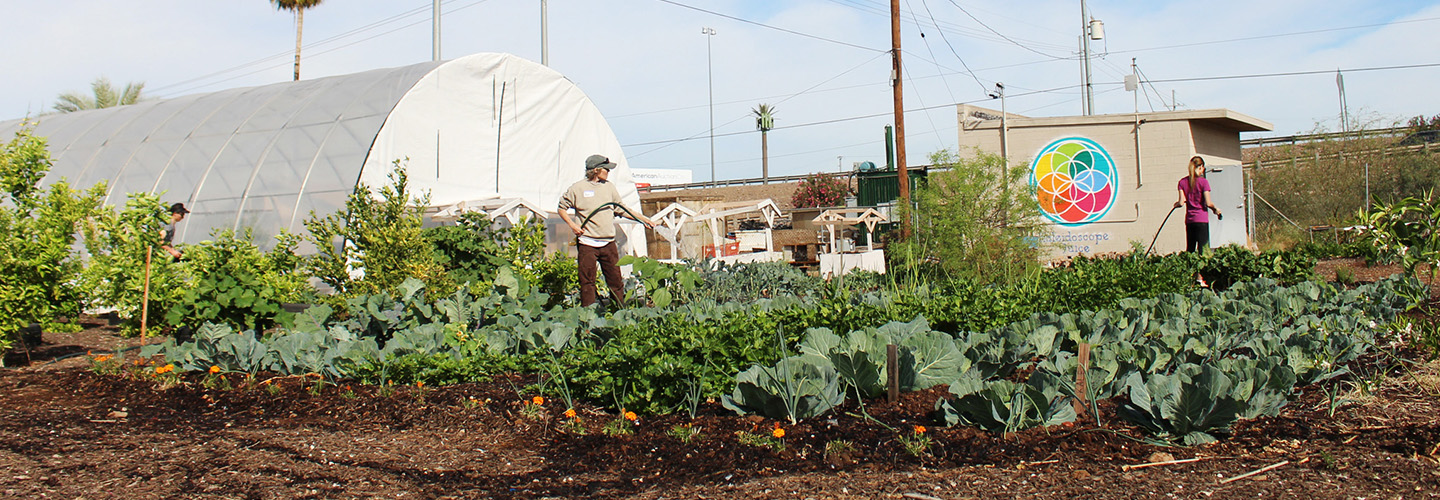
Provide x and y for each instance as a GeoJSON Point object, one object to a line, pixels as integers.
{"type": "Point", "coordinates": [608, 257]}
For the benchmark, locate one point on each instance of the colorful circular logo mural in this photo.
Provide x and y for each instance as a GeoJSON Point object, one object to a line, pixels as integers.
{"type": "Point", "coordinates": [1075, 181]}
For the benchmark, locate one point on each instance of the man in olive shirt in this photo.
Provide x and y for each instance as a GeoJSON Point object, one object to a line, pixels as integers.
{"type": "Point", "coordinates": [597, 238]}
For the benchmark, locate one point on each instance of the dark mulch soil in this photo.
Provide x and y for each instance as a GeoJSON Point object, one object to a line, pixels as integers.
{"type": "Point", "coordinates": [66, 432]}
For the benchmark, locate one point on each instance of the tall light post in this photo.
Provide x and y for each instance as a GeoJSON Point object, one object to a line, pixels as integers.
{"type": "Point", "coordinates": [710, 77]}
{"type": "Point", "coordinates": [999, 93]}
{"type": "Point", "coordinates": [435, 31]}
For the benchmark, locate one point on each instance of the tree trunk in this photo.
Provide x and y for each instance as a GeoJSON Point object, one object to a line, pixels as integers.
{"type": "Point", "coordinates": [299, 28]}
{"type": "Point", "coordinates": [764, 157]}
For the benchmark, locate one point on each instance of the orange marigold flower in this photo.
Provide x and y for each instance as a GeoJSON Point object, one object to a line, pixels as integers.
{"type": "Point", "coordinates": [919, 429]}
{"type": "Point", "coordinates": [778, 433]}
{"type": "Point", "coordinates": [570, 413]}
{"type": "Point", "coordinates": [539, 400]}
{"type": "Point", "coordinates": [630, 415]}
{"type": "Point", "coordinates": [214, 369]}
{"type": "Point", "coordinates": [419, 383]}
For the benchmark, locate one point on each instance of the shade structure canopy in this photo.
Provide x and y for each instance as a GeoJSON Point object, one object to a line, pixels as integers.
{"type": "Point", "coordinates": [265, 158]}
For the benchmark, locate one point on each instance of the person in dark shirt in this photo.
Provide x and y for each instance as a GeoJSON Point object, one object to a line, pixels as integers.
{"type": "Point", "coordinates": [177, 214]}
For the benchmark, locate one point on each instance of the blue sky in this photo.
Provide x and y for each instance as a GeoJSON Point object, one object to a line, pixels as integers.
{"type": "Point", "coordinates": [644, 62]}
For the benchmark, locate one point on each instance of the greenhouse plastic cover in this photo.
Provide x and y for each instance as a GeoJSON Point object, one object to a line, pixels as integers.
{"type": "Point", "coordinates": [477, 127]}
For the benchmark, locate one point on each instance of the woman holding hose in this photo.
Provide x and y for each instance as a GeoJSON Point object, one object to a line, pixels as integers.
{"type": "Point", "coordinates": [596, 203]}
{"type": "Point", "coordinates": [1195, 197]}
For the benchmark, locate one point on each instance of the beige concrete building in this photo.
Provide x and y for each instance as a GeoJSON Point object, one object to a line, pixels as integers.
{"type": "Point", "coordinates": [1107, 180]}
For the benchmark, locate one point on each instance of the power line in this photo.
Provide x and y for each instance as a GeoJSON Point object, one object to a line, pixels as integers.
{"type": "Point", "coordinates": [983, 89]}
{"type": "Point", "coordinates": [846, 119]}
{"type": "Point", "coordinates": [1279, 35]}
{"type": "Point", "coordinates": [776, 28]}
{"type": "Point", "coordinates": [938, 69]}
{"type": "Point", "coordinates": [1001, 35]}
{"type": "Point", "coordinates": [957, 29]}
{"type": "Point", "coordinates": [668, 143]}
{"type": "Point", "coordinates": [1291, 73]}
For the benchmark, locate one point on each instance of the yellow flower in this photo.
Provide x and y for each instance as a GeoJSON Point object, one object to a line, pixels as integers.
{"type": "Point", "coordinates": [165, 369]}
{"type": "Point", "coordinates": [919, 429]}
{"type": "Point", "coordinates": [214, 369]}
{"type": "Point", "coordinates": [539, 400]}
{"type": "Point", "coordinates": [630, 415]}
{"type": "Point", "coordinates": [570, 413]}
{"type": "Point", "coordinates": [778, 433]}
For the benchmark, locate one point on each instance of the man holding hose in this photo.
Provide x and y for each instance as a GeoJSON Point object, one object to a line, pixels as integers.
{"type": "Point", "coordinates": [596, 203]}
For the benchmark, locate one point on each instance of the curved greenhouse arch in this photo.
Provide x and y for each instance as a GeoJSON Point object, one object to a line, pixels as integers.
{"type": "Point", "coordinates": [263, 158]}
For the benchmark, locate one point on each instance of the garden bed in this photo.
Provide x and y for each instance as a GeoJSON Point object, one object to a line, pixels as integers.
{"type": "Point", "coordinates": [71, 433]}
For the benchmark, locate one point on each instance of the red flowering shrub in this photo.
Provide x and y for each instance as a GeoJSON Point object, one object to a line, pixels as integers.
{"type": "Point", "coordinates": [820, 190]}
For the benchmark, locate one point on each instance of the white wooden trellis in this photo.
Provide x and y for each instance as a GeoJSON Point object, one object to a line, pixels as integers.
{"type": "Point", "coordinates": [840, 217]}
{"type": "Point", "coordinates": [714, 214]}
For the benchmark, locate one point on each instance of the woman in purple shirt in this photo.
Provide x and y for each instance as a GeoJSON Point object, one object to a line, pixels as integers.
{"type": "Point", "coordinates": [1195, 197]}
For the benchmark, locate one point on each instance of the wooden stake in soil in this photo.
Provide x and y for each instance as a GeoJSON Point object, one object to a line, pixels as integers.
{"type": "Point", "coordinates": [1080, 402]}
{"type": "Point", "coordinates": [892, 371]}
{"type": "Point", "coordinates": [145, 295]}
{"type": "Point", "coordinates": [1257, 471]}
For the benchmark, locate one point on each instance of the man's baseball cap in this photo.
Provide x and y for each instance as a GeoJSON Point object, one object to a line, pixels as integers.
{"type": "Point", "coordinates": [179, 208]}
{"type": "Point", "coordinates": [597, 161]}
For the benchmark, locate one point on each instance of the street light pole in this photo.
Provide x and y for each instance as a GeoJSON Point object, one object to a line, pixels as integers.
{"type": "Point", "coordinates": [999, 93]}
{"type": "Point", "coordinates": [435, 22]}
{"type": "Point", "coordinates": [544, 34]}
{"type": "Point", "coordinates": [710, 77]}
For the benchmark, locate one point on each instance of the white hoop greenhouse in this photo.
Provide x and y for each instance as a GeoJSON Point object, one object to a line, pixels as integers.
{"type": "Point", "coordinates": [479, 127]}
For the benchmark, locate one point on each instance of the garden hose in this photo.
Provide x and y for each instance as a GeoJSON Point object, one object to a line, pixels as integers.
{"type": "Point", "coordinates": [1162, 227]}
{"type": "Point", "coordinates": [602, 207]}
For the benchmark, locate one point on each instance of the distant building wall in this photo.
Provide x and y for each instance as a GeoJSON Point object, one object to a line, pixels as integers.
{"type": "Point", "coordinates": [1148, 153]}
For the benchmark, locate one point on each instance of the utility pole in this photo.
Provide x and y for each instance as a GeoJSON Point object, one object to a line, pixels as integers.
{"type": "Point", "coordinates": [901, 170]}
{"type": "Point", "coordinates": [544, 34]}
{"type": "Point", "coordinates": [1088, 104]}
{"type": "Point", "coordinates": [1090, 29]}
{"type": "Point", "coordinates": [435, 22]}
{"type": "Point", "coordinates": [710, 78]}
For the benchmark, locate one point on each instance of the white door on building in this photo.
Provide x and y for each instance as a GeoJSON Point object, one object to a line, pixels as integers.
{"type": "Point", "coordinates": [1227, 192]}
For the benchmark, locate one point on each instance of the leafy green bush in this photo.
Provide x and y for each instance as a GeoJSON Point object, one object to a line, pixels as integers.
{"type": "Point", "coordinates": [977, 220]}
{"type": "Point", "coordinates": [470, 250]}
{"type": "Point", "coordinates": [118, 243]}
{"type": "Point", "coordinates": [1230, 264]}
{"type": "Point", "coordinates": [380, 236]}
{"type": "Point", "coordinates": [1408, 230]}
{"type": "Point", "coordinates": [476, 248]}
{"type": "Point", "coordinates": [234, 283]}
{"type": "Point", "coordinates": [662, 283]}
{"type": "Point", "coordinates": [38, 271]}
{"type": "Point", "coordinates": [723, 282]}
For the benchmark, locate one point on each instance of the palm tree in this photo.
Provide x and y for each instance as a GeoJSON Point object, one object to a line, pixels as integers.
{"type": "Point", "coordinates": [298, 7]}
{"type": "Point", "coordinates": [764, 120]}
{"type": "Point", "coordinates": [104, 95]}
